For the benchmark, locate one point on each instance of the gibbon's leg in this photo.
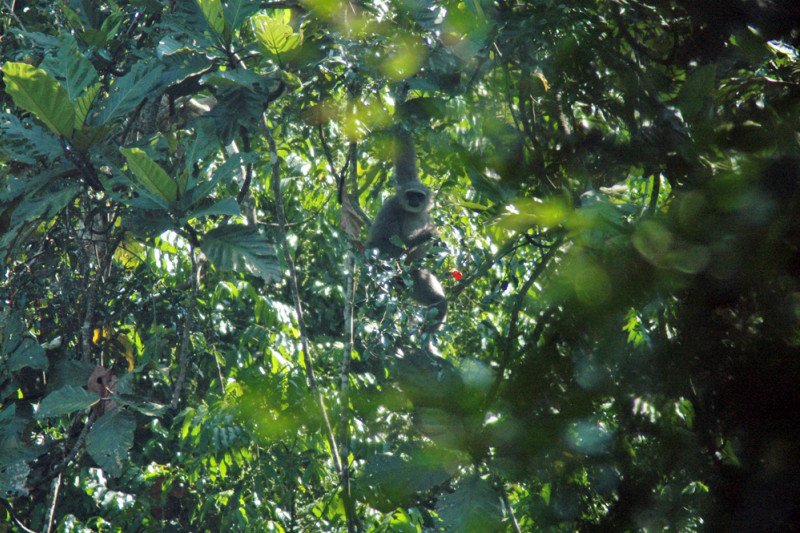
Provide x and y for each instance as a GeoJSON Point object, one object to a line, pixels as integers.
{"type": "Point", "coordinates": [428, 292]}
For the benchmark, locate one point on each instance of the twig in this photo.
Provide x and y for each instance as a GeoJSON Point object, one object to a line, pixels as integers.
{"type": "Point", "coordinates": [183, 361]}
{"type": "Point", "coordinates": [77, 448]}
{"type": "Point", "coordinates": [298, 305]}
{"type": "Point", "coordinates": [52, 512]}
{"type": "Point", "coordinates": [248, 169]}
{"type": "Point", "coordinates": [513, 328]}
{"type": "Point", "coordinates": [88, 317]}
{"type": "Point", "coordinates": [14, 517]}
{"type": "Point", "coordinates": [654, 191]}
{"type": "Point", "coordinates": [15, 17]}
{"type": "Point", "coordinates": [510, 509]}
{"type": "Point", "coordinates": [511, 245]}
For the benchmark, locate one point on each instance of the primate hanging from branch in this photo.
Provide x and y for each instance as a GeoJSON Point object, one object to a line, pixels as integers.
{"type": "Point", "coordinates": [406, 215]}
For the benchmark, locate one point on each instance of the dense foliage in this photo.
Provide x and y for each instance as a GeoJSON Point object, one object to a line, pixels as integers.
{"type": "Point", "coordinates": [193, 337]}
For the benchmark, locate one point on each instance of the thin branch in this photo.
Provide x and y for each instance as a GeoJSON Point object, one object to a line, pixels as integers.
{"type": "Point", "coordinates": [16, 519]}
{"type": "Point", "coordinates": [52, 512]}
{"type": "Point", "coordinates": [248, 169]}
{"type": "Point", "coordinates": [15, 17]}
{"type": "Point", "coordinates": [347, 354]}
{"type": "Point", "coordinates": [654, 191]}
{"type": "Point", "coordinates": [513, 328]}
{"type": "Point", "coordinates": [88, 317]}
{"type": "Point", "coordinates": [511, 245]}
{"type": "Point", "coordinates": [508, 507]}
{"type": "Point", "coordinates": [183, 361]}
{"type": "Point", "coordinates": [77, 449]}
{"type": "Point", "coordinates": [298, 305]}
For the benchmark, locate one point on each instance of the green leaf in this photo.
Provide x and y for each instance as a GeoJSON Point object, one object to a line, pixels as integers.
{"type": "Point", "coordinates": [83, 104]}
{"type": "Point", "coordinates": [36, 91]}
{"type": "Point", "coordinates": [472, 508]}
{"type": "Point", "coordinates": [227, 206]}
{"type": "Point", "coordinates": [19, 346]}
{"type": "Point", "coordinates": [65, 400]}
{"type": "Point", "coordinates": [71, 66]}
{"type": "Point", "coordinates": [275, 35]}
{"type": "Point", "coordinates": [697, 90]}
{"type": "Point", "coordinates": [212, 11]}
{"type": "Point", "coordinates": [29, 354]}
{"type": "Point", "coordinates": [392, 480]}
{"type": "Point", "coordinates": [154, 178]}
{"type": "Point", "coordinates": [110, 439]}
{"type": "Point", "coordinates": [128, 91]}
{"type": "Point", "coordinates": [136, 403]}
{"type": "Point", "coordinates": [25, 142]}
{"type": "Point", "coordinates": [45, 206]}
{"type": "Point", "coordinates": [240, 249]}
{"type": "Point", "coordinates": [224, 172]}
{"type": "Point", "coordinates": [237, 11]}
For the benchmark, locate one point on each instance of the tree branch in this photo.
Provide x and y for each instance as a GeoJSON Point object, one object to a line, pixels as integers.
{"type": "Point", "coordinates": [298, 304]}
{"type": "Point", "coordinates": [183, 361]}
{"type": "Point", "coordinates": [351, 283]}
{"type": "Point", "coordinates": [513, 328]}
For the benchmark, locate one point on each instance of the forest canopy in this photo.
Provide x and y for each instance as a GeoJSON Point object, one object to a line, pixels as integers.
{"type": "Point", "coordinates": [402, 265]}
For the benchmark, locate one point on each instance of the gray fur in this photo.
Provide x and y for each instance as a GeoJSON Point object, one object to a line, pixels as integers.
{"type": "Point", "coordinates": [406, 215]}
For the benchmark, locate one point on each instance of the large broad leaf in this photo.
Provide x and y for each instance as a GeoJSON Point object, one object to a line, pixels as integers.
{"type": "Point", "coordinates": [110, 439]}
{"type": "Point", "coordinates": [83, 104]}
{"type": "Point", "coordinates": [212, 11]}
{"type": "Point", "coordinates": [223, 173]}
{"type": "Point", "coordinates": [697, 91]}
{"type": "Point", "coordinates": [241, 248]}
{"type": "Point", "coordinates": [197, 155]}
{"type": "Point", "coordinates": [144, 407]}
{"type": "Point", "coordinates": [227, 206]}
{"type": "Point", "coordinates": [29, 354]}
{"type": "Point", "coordinates": [65, 400]}
{"type": "Point", "coordinates": [275, 34]}
{"type": "Point", "coordinates": [44, 206]}
{"type": "Point", "coordinates": [392, 480]}
{"type": "Point", "coordinates": [25, 142]}
{"type": "Point", "coordinates": [473, 508]}
{"type": "Point", "coordinates": [237, 11]}
{"type": "Point", "coordinates": [154, 178]}
{"type": "Point", "coordinates": [36, 91]}
{"type": "Point", "coordinates": [70, 66]}
{"type": "Point", "coordinates": [128, 91]}
{"type": "Point", "coordinates": [17, 344]}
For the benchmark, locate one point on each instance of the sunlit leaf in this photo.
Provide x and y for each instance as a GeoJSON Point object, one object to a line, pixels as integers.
{"type": "Point", "coordinates": [275, 35]}
{"type": "Point", "coordinates": [241, 249]}
{"type": "Point", "coordinates": [36, 91]}
{"type": "Point", "coordinates": [214, 15]}
{"type": "Point", "coordinates": [154, 178]}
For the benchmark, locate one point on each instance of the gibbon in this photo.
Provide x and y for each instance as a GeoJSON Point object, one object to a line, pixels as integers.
{"type": "Point", "coordinates": [405, 219]}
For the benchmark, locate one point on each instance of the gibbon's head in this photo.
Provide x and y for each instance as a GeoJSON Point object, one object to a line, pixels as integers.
{"type": "Point", "coordinates": [414, 197]}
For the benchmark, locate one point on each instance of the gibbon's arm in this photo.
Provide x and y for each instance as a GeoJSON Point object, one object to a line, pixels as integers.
{"type": "Point", "coordinates": [418, 243]}
{"type": "Point", "coordinates": [405, 158]}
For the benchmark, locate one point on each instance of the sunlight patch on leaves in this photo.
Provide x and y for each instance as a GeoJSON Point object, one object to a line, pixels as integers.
{"type": "Point", "coordinates": [36, 91]}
